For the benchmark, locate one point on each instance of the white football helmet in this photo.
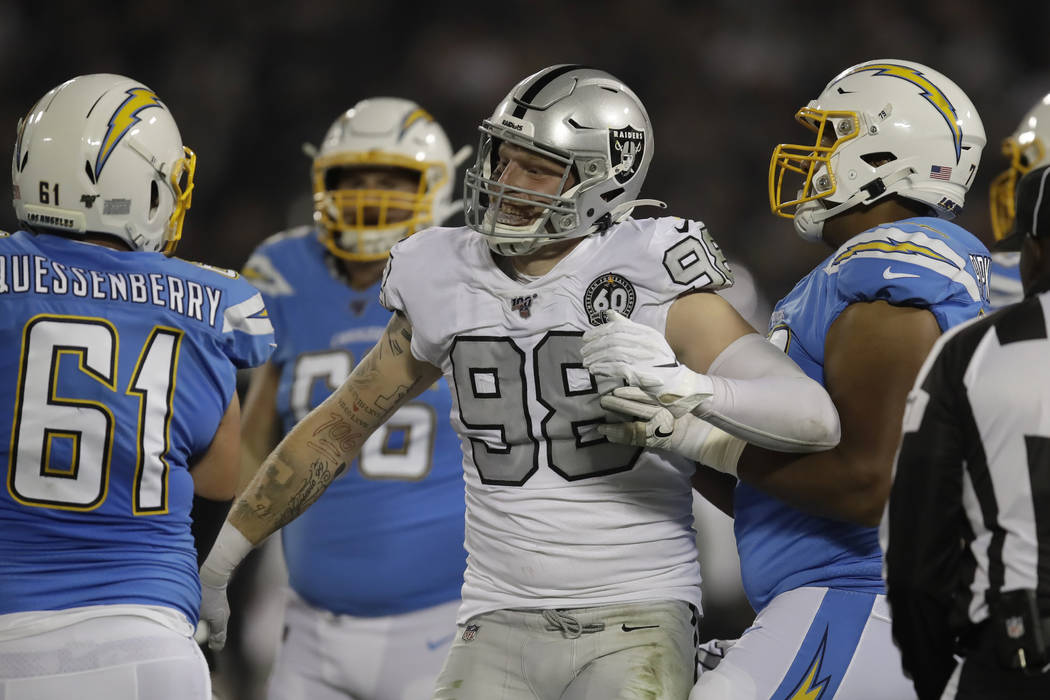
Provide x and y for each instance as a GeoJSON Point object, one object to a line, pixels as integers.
{"type": "Point", "coordinates": [1028, 147]}
{"type": "Point", "coordinates": [102, 154]}
{"type": "Point", "coordinates": [886, 127]}
{"type": "Point", "coordinates": [587, 121]}
{"type": "Point", "coordinates": [382, 132]}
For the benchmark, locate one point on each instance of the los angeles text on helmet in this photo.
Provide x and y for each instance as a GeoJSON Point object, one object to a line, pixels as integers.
{"type": "Point", "coordinates": [49, 220]}
{"type": "Point", "coordinates": [20, 273]}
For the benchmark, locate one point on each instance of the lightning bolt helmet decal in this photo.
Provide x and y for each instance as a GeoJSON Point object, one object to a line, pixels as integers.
{"type": "Point", "coordinates": [933, 94]}
{"type": "Point", "coordinates": [125, 117]}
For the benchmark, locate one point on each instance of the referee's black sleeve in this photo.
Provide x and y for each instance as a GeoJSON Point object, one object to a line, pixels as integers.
{"type": "Point", "coordinates": [924, 520]}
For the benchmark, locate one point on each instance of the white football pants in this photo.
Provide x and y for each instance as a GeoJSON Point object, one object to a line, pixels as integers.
{"type": "Point", "coordinates": [812, 643]}
{"type": "Point", "coordinates": [642, 650]}
{"type": "Point", "coordinates": [121, 657]}
{"type": "Point", "coordinates": [324, 656]}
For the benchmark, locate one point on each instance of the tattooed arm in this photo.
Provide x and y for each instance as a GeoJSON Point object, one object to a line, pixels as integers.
{"type": "Point", "coordinates": [330, 437]}
{"type": "Point", "coordinates": [311, 456]}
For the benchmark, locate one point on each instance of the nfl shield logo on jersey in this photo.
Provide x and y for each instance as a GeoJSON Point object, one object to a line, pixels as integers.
{"type": "Point", "coordinates": [470, 632]}
{"type": "Point", "coordinates": [523, 305]}
{"type": "Point", "coordinates": [626, 146]}
{"type": "Point", "coordinates": [1014, 627]}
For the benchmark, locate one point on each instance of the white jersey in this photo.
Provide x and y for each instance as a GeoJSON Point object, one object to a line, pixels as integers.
{"type": "Point", "coordinates": [556, 515]}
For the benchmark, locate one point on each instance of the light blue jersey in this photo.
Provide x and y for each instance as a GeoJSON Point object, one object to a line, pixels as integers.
{"type": "Point", "coordinates": [116, 368]}
{"type": "Point", "coordinates": [922, 262]}
{"type": "Point", "coordinates": [387, 536]}
{"type": "Point", "coordinates": [1004, 282]}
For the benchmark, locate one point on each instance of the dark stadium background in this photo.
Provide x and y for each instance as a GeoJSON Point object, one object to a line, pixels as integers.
{"type": "Point", "coordinates": [248, 83]}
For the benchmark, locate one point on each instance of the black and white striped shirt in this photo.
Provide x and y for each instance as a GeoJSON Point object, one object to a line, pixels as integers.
{"type": "Point", "coordinates": [969, 512]}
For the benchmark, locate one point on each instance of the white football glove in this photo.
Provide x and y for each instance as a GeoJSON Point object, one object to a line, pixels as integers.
{"type": "Point", "coordinates": [215, 607]}
{"type": "Point", "coordinates": [229, 549]}
{"type": "Point", "coordinates": [710, 654]}
{"type": "Point", "coordinates": [640, 356]}
{"type": "Point", "coordinates": [687, 435]}
{"type": "Point", "coordinates": [658, 429]}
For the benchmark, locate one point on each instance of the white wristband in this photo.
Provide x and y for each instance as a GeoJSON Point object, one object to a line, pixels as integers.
{"type": "Point", "coordinates": [721, 451]}
{"type": "Point", "coordinates": [230, 548]}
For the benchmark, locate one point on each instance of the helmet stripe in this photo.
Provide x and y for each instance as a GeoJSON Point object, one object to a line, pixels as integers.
{"type": "Point", "coordinates": [540, 83]}
{"type": "Point", "coordinates": [411, 118]}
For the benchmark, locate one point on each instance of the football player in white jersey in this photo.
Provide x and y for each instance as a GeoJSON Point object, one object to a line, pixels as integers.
{"type": "Point", "coordinates": [895, 148]}
{"type": "Point", "coordinates": [384, 170]}
{"type": "Point", "coordinates": [581, 580]}
{"type": "Point", "coordinates": [118, 401]}
{"type": "Point", "coordinates": [1026, 148]}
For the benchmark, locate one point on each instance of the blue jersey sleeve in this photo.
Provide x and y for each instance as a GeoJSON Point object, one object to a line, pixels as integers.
{"type": "Point", "coordinates": [263, 272]}
{"type": "Point", "coordinates": [245, 330]}
{"type": "Point", "coordinates": [922, 262]}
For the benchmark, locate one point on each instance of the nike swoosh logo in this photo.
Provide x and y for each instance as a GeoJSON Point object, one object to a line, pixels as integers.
{"type": "Point", "coordinates": [625, 628]}
{"type": "Point", "coordinates": [895, 275]}
{"type": "Point", "coordinates": [685, 227]}
{"type": "Point", "coordinates": [659, 434]}
{"type": "Point", "coordinates": [432, 645]}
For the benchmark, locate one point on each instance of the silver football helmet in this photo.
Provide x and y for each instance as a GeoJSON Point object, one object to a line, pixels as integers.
{"type": "Point", "coordinates": [382, 132]}
{"type": "Point", "coordinates": [102, 154]}
{"type": "Point", "coordinates": [1027, 147]}
{"type": "Point", "coordinates": [585, 121]}
{"type": "Point", "coordinates": [886, 127]}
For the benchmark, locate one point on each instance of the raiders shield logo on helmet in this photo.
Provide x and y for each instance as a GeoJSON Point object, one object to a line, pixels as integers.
{"type": "Point", "coordinates": [609, 291]}
{"type": "Point", "coordinates": [625, 151]}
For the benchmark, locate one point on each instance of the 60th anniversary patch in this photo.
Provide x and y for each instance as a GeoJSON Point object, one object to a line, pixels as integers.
{"type": "Point", "coordinates": [608, 291]}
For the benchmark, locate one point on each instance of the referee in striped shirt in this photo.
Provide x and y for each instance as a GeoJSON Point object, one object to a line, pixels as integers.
{"type": "Point", "coordinates": [966, 532]}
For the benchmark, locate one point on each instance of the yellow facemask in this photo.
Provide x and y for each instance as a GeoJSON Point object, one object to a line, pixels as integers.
{"type": "Point", "coordinates": [181, 177]}
{"type": "Point", "coordinates": [350, 238]}
{"type": "Point", "coordinates": [1004, 187]}
{"type": "Point", "coordinates": [805, 161]}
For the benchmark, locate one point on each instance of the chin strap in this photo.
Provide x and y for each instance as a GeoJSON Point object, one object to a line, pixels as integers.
{"type": "Point", "coordinates": [615, 215]}
{"type": "Point", "coordinates": [810, 216]}
{"type": "Point", "coordinates": [621, 211]}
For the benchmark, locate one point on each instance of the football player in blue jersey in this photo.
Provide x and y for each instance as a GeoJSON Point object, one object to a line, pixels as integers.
{"type": "Point", "coordinates": [117, 383]}
{"type": "Point", "coordinates": [1026, 148]}
{"type": "Point", "coordinates": [896, 148]}
{"type": "Point", "coordinates": [384, 171]}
